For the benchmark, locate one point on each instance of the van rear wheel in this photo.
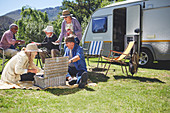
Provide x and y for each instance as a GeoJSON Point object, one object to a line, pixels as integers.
{"type": "Point", "coordinates": [146, 58]}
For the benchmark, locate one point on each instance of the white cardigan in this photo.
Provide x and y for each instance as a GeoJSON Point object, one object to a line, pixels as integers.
{"type": "Point", "coordinates": [15, 67]}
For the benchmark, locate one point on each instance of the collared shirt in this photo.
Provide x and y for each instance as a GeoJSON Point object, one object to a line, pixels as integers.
{"type": "Point", "coordinates": [7, 40]}
{"type": "Point", "coordinates": [77, 50]}
{"type": "Point", "coordinates": [76, 29]}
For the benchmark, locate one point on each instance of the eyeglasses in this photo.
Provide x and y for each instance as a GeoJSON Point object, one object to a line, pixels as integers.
{"type": "Point", "coordinates": [65, 17]}
{"type": "Point", "coordinates": [15, 29]}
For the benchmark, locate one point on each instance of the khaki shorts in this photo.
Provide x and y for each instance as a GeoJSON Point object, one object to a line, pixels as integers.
{"type": "Point", "coordinates": [10, 52]}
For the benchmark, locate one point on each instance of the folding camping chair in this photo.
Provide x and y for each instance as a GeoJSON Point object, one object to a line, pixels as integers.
{"type": "Point", "coordinates": [3, 58]}
{"type": "Point", "coordinates": [120, 59]}
{"type": "Point", "coordinates": [95, 50]}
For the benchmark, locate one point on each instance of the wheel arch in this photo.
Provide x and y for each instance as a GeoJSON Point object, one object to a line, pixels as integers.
{"type": "Point", "coordinates": [150, 48]}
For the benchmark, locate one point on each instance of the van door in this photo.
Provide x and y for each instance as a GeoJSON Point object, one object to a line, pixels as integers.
{"type": "Point", "coordinates": [133, 19]}
{"type": "Point", "coordinates": [125, 21]}
{"type": "Point", "coordinates": [133, 26]}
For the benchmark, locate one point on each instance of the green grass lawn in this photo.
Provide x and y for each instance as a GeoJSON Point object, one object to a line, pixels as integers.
{"type": "Point", "coordinates": [147, 92]}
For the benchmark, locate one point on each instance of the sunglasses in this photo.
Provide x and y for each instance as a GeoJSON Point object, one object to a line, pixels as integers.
{"type": "Point", "coordinates": [15, 29]}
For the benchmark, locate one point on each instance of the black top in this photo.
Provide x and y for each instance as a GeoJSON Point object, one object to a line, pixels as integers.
{"type": "Point", "coordinates": [47, 43]}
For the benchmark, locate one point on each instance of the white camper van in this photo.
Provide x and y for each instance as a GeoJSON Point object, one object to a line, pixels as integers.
{"type": "Point", "coordinates": [115, 25]}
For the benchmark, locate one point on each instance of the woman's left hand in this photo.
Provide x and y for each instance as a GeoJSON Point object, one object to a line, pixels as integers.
{"type": "Point", "coordinates": [32, 70]}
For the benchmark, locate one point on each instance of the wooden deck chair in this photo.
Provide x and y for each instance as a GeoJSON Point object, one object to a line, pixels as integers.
{"type": "Point", "coordinates": [120, 59]}
{"type": "Point", "coordinates": [95, 50]}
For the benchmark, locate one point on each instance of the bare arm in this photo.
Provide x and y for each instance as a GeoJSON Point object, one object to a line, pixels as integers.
{"type": "Point", "coordinates": [74, 59]}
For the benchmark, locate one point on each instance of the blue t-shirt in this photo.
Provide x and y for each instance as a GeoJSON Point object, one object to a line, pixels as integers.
{"type": "Point", "coordinates": [77, 50]}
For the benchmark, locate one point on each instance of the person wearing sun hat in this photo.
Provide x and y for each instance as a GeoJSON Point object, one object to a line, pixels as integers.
{"type": "Point", "coordinates": [70, 26]}
{"type": "Point", "coordinates": [20, 64]}
{"type": "Point", "coordinates": [48, 43]}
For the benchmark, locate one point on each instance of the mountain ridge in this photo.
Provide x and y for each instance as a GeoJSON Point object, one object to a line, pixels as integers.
{"type": "Point", "coordinates": [9, 18]}
{"type": "Point", "coordinates": [52, 13]}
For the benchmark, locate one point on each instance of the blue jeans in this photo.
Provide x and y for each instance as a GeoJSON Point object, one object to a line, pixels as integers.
{"type": "Point", "coordinates": [72, 71]}
{"type": "Point", "coordinates": [12, 47]}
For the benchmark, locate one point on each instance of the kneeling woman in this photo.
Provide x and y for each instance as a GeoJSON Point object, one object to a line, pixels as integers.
{"type": "Point", "coordinates": [20, 64]}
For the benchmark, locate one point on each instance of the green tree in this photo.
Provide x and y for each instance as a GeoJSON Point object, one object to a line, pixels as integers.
{"type": "Point", "coordinates": [57, 25]}
{"type": "Point", "coordinates": [31, 24]}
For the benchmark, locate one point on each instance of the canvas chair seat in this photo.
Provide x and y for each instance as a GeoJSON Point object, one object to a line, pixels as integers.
{"type": "Point", "coordinates": [95, 50]}
{"type": "Point", "coordinates": [120, 59]}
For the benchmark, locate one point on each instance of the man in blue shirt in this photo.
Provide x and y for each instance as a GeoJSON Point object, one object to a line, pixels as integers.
{"type": "Point", "coordinates": [77, 64]}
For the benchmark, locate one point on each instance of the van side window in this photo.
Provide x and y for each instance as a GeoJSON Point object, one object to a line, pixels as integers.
{"type": "Point", "coordinates": [99, 25]}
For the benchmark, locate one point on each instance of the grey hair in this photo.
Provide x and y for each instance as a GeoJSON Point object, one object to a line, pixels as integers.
{"type": "Point", "coordinates": [12, 25]}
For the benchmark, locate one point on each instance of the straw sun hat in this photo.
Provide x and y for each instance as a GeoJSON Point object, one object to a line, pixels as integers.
{"type": "Point", "coordinates": [32, 47]}
{"type": "Point", "coordinates": [66, 13]}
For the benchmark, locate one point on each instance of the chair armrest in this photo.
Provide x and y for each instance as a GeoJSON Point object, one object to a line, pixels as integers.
{"type": "Point", "coordinates": [116, 52]}
{"type": "Point", "coordinates": [108, 59]}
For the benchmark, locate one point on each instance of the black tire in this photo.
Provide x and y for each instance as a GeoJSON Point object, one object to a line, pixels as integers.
{"type": "Point", "coordinates": [146, 57]}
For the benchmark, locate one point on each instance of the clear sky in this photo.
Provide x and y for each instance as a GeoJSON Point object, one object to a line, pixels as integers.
{"type": "Point", "coordinates": [7, 6]}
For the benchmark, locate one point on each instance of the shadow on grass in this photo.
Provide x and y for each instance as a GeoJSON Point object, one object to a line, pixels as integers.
{"type": "Point", "coordinates": [97, 69]}
{"type": "Point", "coordinates": [66, 91]}
{"type": "Point", "coordinates": [162, 65]}
{"type": "Point", "coordinates": [141, 79]}
{"type": "Point", "coordinates": [97, 77]}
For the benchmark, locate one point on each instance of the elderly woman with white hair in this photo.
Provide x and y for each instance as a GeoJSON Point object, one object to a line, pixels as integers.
{"type": "Point", "coordinates": [21, 63]}
{"type": "Point", "coordinates": [48, 43]}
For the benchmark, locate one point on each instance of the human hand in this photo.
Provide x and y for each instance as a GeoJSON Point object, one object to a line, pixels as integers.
{"type": "Point", "coordinates": [57, 41]}
{"type": "Point", "coordinates": [32, 70]}
{"type": "Point", "coordinates": [69, 32]}
{"type": "Point", "coordinates": [22, 41]}
{"type": "Point", "coordinates": [37, 43]}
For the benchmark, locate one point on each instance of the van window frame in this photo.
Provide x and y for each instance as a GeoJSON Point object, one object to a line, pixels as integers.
{"type": "Point", "coordinates": [99, 29]}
